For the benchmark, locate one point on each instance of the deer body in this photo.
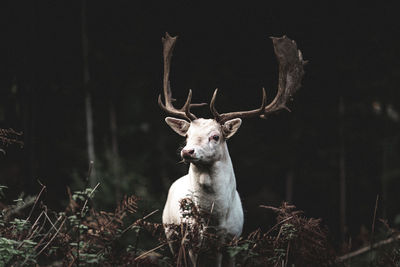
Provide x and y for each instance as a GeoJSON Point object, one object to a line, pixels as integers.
{"type": "Point", "coordinates": [211, 181]}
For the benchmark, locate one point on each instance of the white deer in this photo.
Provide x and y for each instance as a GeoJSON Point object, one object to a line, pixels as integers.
{"type": "Point", "coordinates": [211, 181]}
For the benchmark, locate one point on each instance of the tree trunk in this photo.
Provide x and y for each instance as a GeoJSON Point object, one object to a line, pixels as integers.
{"type": "Point", "coordinates": [26, 83]}
{"type": "Point", "coordinates": [115, 151]}
{"type": "Point", "coordinates": [289, 186]}
{"type": "Point", "coordinates": [342, 173]}
{"type": "Point", "coordinates": [88, 97]}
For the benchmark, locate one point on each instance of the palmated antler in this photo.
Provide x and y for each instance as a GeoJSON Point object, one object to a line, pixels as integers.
{"type": "Point", "coordinates": [184, 112]}
{"type": "Point", "coordinates": [291, 72]}
{"type": "Point", "coordinates": [290, 75]}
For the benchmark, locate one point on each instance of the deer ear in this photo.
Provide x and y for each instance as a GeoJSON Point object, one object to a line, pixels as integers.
{"type": "Point", "coordinates": [179, 126]}
{"type": "Point", "coordinates": [230, 127]}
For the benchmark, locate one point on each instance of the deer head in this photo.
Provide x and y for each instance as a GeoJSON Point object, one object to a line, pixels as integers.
{"type": "Point", "coordinates": [205, 138]}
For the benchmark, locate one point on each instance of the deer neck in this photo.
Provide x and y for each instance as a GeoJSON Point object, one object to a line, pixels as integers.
{"type": "Point", "coordinates": [215, 178]}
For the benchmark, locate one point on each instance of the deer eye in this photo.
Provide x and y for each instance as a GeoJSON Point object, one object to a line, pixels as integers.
{"type": "Point", "coordinates": [215, 137]}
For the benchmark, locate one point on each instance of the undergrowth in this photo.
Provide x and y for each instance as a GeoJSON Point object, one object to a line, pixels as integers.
{"type": "Point", "coordinates": [80, 235]}
{"type": "Point", "coordinates": [9, 137]}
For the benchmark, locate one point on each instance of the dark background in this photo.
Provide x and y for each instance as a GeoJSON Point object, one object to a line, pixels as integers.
{"type": "Point", "coordinates": [353, 53]}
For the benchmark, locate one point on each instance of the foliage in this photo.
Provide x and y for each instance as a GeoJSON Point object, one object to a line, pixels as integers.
{"type": "Point", "coordinates": [10, 136]}
{"type": "Point", "coordinates": [293, 240]}
{"type": "Point", "coordinates": [83, 236]}
{"type": "Point", "coordinates": [78, 235]}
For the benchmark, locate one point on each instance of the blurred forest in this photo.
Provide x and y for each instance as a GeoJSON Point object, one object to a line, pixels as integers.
{"type": "Point", "coordinates": [67, 63]}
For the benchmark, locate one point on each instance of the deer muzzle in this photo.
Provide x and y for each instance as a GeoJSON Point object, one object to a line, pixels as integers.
{"type": "Point", "coordinates": [187, 154]}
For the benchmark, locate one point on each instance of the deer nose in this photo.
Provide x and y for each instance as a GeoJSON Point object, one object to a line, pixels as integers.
{"type": "Point", "coordinates": [187, 153]}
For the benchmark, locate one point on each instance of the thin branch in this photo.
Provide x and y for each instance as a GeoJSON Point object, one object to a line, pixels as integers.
{"type": "Point", "coordinates": [47, 216]}
{"type": "Point", "coordinates": [368, 248]}
{"type": "Point", "coordinates": [52, 238]}
{"type": "Point", "coordinates": [48, 232]}
{"type": "Point", "coordinates": [36, 200]}
{"type": "Point", "coordinates": [144, 218]}
{"type": "Point", "coordinates": [287, 253]}
{"type": "Point", "coordinates": [149, 251]}
{"type": "Point", "coordinates": [31, 232]}
{"type": "Point", "coordinates": [34, 225]}
{"type": "Point", "coordinates": [276, 225]}
{"type": "Point", "coordinates": [270, 208]}
{"type": "Point", "coordinates": [373, 221]}
{"type": "Point", "coordinates": [87, 199]}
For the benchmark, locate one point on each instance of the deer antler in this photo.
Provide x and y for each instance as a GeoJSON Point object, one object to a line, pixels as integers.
{"type": "Point", "coordinates": [221, 118]}
{"type": "Point", "coordinates": [184, 112]}
{"type": "Point", "coordinates": [290, 75]}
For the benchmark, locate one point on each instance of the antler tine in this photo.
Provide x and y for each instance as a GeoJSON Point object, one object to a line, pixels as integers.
{"type": "Point", "coordinates": [212, 107]}
{"type": "Point", "coordinates": [186, 106]}
{"type": "Point", "coordinates": [184, 112]}
{"type": "Point", "coordinates": [291, 72]}
{"type": "Point", "coordinates": [221, 118]}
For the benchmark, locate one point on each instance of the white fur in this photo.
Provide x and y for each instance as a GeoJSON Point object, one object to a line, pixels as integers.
{"type": "Point", "coordinates": [211, 179]}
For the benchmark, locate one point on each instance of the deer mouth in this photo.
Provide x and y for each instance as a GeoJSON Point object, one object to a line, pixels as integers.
{"type": "Point", "coordinates": [189, 158]}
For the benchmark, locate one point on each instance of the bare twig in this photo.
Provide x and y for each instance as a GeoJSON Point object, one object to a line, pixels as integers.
{"type": "Point", "coordinates": [151, 213]}
{"type": "Point", "coordinates": [270, 208]}
{"type": "Point", "coordinates": [52, 238]}
{"type": "Point", "coordinates": [149, 251]}
{"type": "Point", "coordinates": [36, 200]}
{"type": "Point", "coordinates": [181, 252]}
{"type": "Point", "coordinates": [138, 232]}
{"type": "Point", "coordinates": [51, 222]}
{"type": "Point", "coordinates": [368, 248]}
{"type": "Point", "coordinates": [31, 231]}
{"type": "Point", "coordinates": [48, 232]}
{"type": "Point", "coordinates": [287, 253]}
{"type": "Point", "coordinates": [87, 199]}
{"type": "Point", "coordinates": [373, 221]}
{"type": "Point", "coordinates": [279, 223]}
{"type": "Point", "coordinates": [135, 223]}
